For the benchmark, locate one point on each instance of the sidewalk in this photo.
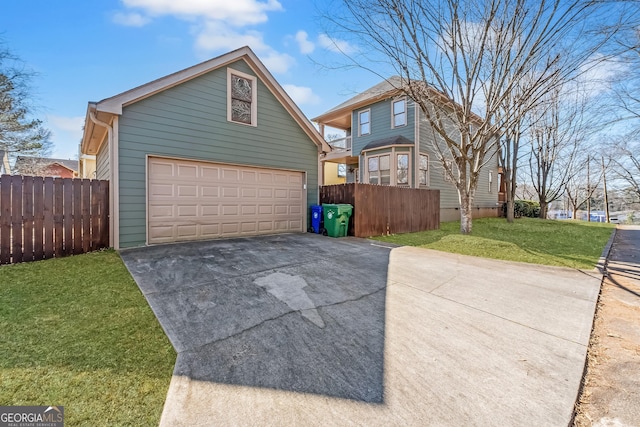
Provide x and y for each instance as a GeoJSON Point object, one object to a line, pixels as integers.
{"type": "Point", "coordinates": [611, 393]}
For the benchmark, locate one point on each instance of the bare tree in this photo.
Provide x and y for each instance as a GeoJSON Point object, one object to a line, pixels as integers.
{"type": "Point", "coordinates": [626, 161]}
{"type": "Point", "coordinates": [558, 127]}
{"type": "Point", "coordinates": [509, 154]}
{"type": "Point", "coordinates": [582, 183]}
{"type": "Point", "coordinates": [460, 60]}
{"type": "Point", "coordinates": [19, 132]}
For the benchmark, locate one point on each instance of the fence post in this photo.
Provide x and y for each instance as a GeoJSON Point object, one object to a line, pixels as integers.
{"type": "Point", "coordinates": [5, 218]}
{"type": "Point", "coordinates": [16, 218]}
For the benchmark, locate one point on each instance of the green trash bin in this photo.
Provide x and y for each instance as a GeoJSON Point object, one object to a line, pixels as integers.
{"type": "Point", "coordinates": [336, 219]}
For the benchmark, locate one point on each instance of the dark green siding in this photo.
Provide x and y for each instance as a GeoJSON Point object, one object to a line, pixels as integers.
{"type": "Point", "coordinates": [190, 121]}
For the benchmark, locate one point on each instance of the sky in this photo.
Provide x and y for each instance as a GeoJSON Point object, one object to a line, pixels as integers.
{"type": "Point", "coordinates": [86, 51]}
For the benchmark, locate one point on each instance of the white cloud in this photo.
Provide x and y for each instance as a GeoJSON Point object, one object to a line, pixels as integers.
{"type": "Point", "coordinates": [306, 46]}
{"type": "Point", "coordinates": [219, 25]}
{"type": "Point", "coordinates": [598, 75]}
{"type": "Point", "coordinates": [233, 12]}
{"type": "Point", "coordinates": [66, 133]}
{"type": "Point", "coordinates": [277, 62]}
{"type": "Point", "coordinates": [216, 36]}
{"type": "Point", "coordinates": [130, 19]}
{"type": "Point", "coordinates": [67, 124]}
{"type": "Point", "coordinates": [335, 45]}
{"type": "Point", "coordinates": [302, 95]}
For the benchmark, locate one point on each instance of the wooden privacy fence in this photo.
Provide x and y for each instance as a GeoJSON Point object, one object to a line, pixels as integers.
{"type": "Point", "coordinates": [382, 209]}
{"type": "Point", "coordinates": [48, 217]}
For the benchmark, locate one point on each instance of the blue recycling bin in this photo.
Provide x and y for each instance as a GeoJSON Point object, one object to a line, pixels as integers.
{"type": "Point", "coordinates": [316, 218]}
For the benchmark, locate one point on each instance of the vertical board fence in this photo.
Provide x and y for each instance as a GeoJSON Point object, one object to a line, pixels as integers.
{"type": "Point", "coordinates": [382, 209]}
{"type": "Point", "coordinates": [48, 217]}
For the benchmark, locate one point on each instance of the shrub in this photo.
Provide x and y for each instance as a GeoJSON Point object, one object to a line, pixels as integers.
{"type": "Point", "coordinates": [523, 208]}
{"type": "Point", "coordinates": [526, 208]}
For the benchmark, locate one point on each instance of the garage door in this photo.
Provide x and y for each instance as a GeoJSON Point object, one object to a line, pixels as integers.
{"type": "Point", "coordinates": [190, 200]}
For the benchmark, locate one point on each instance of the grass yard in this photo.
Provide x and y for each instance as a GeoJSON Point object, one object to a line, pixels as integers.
{"type": "Point", "coordinates": [77, 332]}
{"type": "Point", "coordinates": [575, 244]}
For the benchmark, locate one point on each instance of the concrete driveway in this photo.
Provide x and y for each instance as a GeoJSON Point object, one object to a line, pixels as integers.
{"type": "Point", "coordinates": [302, 329]}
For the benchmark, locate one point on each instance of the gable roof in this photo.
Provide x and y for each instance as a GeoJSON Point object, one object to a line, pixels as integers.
{"type": "Point", "coordinates": [108, 108]}
{"type": "Point", "coordinates": [28, 163]}
{"type": "Point", "coordinates": [383, 90]}
{"type": "Point", "coordinates": [378, 92]}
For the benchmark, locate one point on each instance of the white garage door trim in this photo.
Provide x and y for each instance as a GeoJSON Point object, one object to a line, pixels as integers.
{"type": "Point", "coordinates": [190, 199]}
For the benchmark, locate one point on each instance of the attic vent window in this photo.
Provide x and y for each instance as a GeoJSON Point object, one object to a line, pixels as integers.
{"type": "Point", "coordinates": [241, 98]}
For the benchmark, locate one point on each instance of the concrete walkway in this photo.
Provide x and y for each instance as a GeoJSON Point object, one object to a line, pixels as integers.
{"type": "Point", "coordinates": [465, 341]}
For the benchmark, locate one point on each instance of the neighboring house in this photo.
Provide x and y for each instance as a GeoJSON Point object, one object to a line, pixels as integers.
{"type": "Point", "coordinates": [43, 166]}
{"type": "Point", "coordinates": [216, 150]}
{"type": "Point", "coordinates": [87, 166]}
{"type": "Point", "coordinates": [334, 173]}
{"type": "Point", "coordinates": [5, 168]}
{"type": "Point", "coordinates": [389, 142]}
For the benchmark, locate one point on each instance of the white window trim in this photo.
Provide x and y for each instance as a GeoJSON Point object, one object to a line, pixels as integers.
{"type": "Point", "coordinates": [428, 183]}
{"type": "Point", "coordinates": [391, 168]}
{"type": "Point", "coordinates": [254, 96]}
{"type": "Point", "coordinates": [360, 123]}
{"type": "Point", "coordinates": [406, 113]}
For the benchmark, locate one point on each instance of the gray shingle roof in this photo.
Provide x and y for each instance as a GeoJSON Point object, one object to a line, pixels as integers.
{"type": "Point", "coordinates": [29, 162]}
{"type": "Point", "coordinates": [386, 86]}
{"type": "Point", "coordinates": [386, 142]}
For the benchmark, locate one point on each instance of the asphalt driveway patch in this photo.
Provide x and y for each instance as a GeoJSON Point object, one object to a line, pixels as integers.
{"type": "Point", "coordinates": [295, 312]}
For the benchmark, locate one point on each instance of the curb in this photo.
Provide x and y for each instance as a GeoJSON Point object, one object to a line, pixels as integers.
{"type": "Point", "coordinates": [601, 267]}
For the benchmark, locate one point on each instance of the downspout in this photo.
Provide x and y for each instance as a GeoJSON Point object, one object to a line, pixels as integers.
{"type": "Point", "coordinates": [114, 235]}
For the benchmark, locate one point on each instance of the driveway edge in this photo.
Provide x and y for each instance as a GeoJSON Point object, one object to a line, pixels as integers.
{"type": "Point", "coordinates": [601, 267]}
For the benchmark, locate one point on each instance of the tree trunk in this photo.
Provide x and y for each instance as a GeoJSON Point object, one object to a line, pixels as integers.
{"type": "Point", "coordinates": [509, 193]}
{"type": "Point", "coordinates": [466, 215]}
{"type": "Point", "coordinates": [510, 211]}
{"type": "Point", "coordinates": [544, 206]}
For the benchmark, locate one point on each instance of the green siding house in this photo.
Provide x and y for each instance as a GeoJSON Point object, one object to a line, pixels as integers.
{"type": "Point", "coordinates": [216, 150]}
{"type": "Point", "coordinates": [389, 142]}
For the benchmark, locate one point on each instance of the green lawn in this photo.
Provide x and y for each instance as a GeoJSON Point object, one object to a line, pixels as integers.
{"type": "Point", "coordinates": [576, 244]}
{"type": "Point", "coordinates": [77, 332]}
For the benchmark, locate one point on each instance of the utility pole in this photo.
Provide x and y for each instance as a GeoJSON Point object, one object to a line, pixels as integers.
{"type": "Point", "coordinates": [588, 190]}
{"type": "Point", "coordinates": [606, 197]}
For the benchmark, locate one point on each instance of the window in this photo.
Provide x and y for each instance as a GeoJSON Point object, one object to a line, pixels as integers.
{"type": "Point", "coordinates": [342, 170]}
{"type": "Point", "coordinates": [385, 170]}
{"type": "Point", "coordinates": [379, 169]}
{"type": "Point", "coordinates": [241, 98]}
{"type": "Point", "coordinates": [364, 121]}
{"type": "Point", "coordinates": [399, 111]}
{"type": "Point", "coordinates": [423, 170]}
{"type": "Point", "coordinates": [403, 169]}
{"type": "Point", "coordinates": [490, 180]}
{"type": "Point", "coordinates": [374, 173]}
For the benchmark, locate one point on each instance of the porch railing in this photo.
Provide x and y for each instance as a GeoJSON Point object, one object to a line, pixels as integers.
{"type": "Point", "coordinates": [342, 144]}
